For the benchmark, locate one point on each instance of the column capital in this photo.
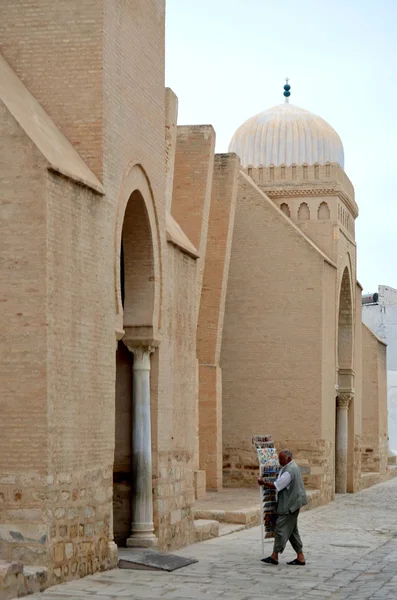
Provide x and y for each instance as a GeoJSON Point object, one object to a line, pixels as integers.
{"type": "Point", "coordinates": [120, 333]}
{"type": "Point", "coordinates": [141, 355]}
{"type": "Point", "coordinates": [343, 399]}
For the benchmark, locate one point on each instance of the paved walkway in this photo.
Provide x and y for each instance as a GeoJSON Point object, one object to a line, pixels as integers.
{"type": "Point", "coordinates": [351, 550]}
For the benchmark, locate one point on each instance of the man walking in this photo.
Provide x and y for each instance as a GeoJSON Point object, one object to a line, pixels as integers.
{"type": "Point", "coordinates": [291, 496]}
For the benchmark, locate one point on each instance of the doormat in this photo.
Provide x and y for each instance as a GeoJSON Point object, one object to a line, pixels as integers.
{"type": "Point", "coordinates": [151, 560]}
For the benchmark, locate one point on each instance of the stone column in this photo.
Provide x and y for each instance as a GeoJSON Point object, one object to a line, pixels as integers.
{"type": "Point", "coordinates": [142, 528]}
{"type": "Point", "coordinates": [342, 406]}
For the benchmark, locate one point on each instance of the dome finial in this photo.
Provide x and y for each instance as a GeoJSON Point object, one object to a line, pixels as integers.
{"type": "Point", "coordinates": [287, 92]}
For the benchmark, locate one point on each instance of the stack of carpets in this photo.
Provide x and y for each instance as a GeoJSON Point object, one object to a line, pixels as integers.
{"type": "Point", "coordinates": [268, 468]}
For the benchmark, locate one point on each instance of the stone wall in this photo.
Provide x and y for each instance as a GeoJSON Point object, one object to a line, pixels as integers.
{"type": "Point", "coordinates": [356, 411]}
{"type": "Point", "coordinates": [81, 378]}
{"type": "Point", "coordinates": [330, 176]}
{"type": "Point", "coordinates": [114, 116]}
{"type": "Point", "coordinates": [318, 198]}
{"type": "Point", "coordinates": [194, 167]}
{"type": "Point", "coordinates": [24, 452]}
{"type": "Point", "coordinates": [190, 156]}
{"type": "Point", "coordinates": [211, 315]}
{"type": "Point", "coordinates": [374, 432]}
{"type": "Point", "coordinates": [272, 346]}
{"type": "Point", "coordinates": [174, 498]}
{"type": "Point", "coordinates": [174, 415]}
{"type": "Point", "coordinates": [392, 409]}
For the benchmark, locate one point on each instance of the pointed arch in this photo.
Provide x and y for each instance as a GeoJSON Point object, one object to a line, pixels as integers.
{"type": "Point", "coordinates": [285, 209]}
{"type": "Point", "coordinates": [137, 253]}
{"type": "Point", "coordinates": [323, 211]}
{"type": "Point", "coordinates": [345, 321]}
{"type": "Point", "coordinates": [344, 434]}
{"type": "Point", "coordinates": [304, 212]}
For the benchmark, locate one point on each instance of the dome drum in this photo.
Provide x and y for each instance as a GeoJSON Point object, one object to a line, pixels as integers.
{"type": "Point", "coordinates": [294, 173]}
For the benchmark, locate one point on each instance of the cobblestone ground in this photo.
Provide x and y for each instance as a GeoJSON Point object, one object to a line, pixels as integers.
{"type": "Point", "coordinates": [350, 546]}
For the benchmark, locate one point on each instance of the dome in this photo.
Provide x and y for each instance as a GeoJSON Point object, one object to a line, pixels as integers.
{"type": "Point", "coordinates": [286, 135]}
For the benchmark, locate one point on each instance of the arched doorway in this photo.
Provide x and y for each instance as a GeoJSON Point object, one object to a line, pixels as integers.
{"type": "Point", "coordinates": [343, 442]}
{"type": "Point", "coordinates": [132, 472]}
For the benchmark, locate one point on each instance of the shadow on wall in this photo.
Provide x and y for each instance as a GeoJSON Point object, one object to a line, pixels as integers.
{"type": "Point", "coordinates": [392, 409]}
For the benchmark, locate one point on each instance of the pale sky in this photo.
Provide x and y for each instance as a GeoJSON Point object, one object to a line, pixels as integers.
{"type": "Point", "coordinates": [227, 60]}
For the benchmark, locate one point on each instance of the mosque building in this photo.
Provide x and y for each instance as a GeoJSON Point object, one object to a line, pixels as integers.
{"type": "Point", "coordinates": [161, 303]}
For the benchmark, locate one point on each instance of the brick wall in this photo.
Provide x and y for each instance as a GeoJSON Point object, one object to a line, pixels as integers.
{"type": "Point", "coordinates": [211, 316]}
{"type": "Point", "coordinates": [23, 367]}
{"type": "Point", "coordinates": [194, 166]}
{"type": "Point", "coordinates": [272, 339]}
{"type": "Point", "coordinates": [56, 50]}
{"type": "Point", "coordinates": [176, 414]}
{"type": "Point", "coordinates": [98, 70]}
{"type": "Point", "coordinates": [191, 199]}
{"type": "Point", "coordinates": [357, 409]}
{"type": "Point", "coordinates": [81, 376]}
{"type": "Point", "coordinates": [374, 404]}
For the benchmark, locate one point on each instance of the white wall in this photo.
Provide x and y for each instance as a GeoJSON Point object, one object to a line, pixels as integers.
{"type": "Point", "coordinates": [392, 407]}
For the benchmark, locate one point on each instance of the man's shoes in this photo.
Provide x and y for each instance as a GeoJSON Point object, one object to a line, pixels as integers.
{"type": "Point", "coordinates": [296, 562]}
{"type": "Point", "coordinates": [269, 560]}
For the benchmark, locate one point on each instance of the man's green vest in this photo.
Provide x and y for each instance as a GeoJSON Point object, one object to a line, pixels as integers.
{"type": "Point", "coordinates": [291, 499]}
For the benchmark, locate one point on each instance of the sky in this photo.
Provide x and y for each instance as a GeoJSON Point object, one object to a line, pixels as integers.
{"type": "Point", "coordinates": [227, 60]}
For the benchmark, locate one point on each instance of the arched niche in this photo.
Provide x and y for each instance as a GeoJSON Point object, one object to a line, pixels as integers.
{"type": "Point", "coordinates": [137, 277]}
{"type": "Point", "coordinates": [323, 211]}
{"type": "Point", "coordinates": [285, 209]}
{"type": "Point", "coordinates": [304, 212]}
{"type": "Point", "coordinates": [138, 272]}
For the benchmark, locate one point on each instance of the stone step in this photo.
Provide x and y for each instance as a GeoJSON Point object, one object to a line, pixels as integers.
{"type": "Point", "coordinates": [248, 517]}
{"type": "Point", "coordinates": [368, 479]}
{"type": "Point", "coordinates": [206, 529]}
{"type": "Point", "coordinates": [392, 460]}
{"type": "Point", "coordinates": [314, 499]}
{"type": "Point", "coordinates": [227, 528]}
{"type": "Point", "coordinates": [245, 516]}
{"type": "Point", "coordinates": [17, 580]}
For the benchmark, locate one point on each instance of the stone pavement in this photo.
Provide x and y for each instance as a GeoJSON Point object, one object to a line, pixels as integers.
{"type": "Point", "coordinates": [351, 551]}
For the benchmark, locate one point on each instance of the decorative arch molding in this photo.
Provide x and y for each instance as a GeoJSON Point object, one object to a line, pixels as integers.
{"type": "Point", "coordinates": [344, 438]}
{"type": "Point", "coordinates": [345, 319]}
{"type": "Point", "coordinates": [136, 180]}
{"type": "Point", "coordinates": [285, 209]}
{"type": "Point", "coordinates": [304, 212]}
{"type": "Point", "coordinates": [346, 264]}
{"type": "Point", "coordinates": [323, 211]}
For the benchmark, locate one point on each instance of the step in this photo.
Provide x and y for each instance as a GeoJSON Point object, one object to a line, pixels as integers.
{"type": "Point", "coordinates": [248, 517]}
{"type": "Point", "coordinates": [17, 580]}
{"type": "Point", "coordinates": [227, 528]}
{"type": "Point", "coordinates": [314, 499]}
{"type": "Point", "coordinates": [368, 479]}
{"type": "Point", "coordinates": [245, 516]}
{"type": "Point", "coordinates": [206, 529]}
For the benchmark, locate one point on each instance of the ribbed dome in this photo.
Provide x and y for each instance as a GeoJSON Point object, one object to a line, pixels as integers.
{"type": "Point", "coordinates": [286, 135]}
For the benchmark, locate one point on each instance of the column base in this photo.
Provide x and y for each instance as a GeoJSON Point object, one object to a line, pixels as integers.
{"type": "Point", "coordinates": [113, 555]}
{"type": "Point", "coordinates": [142, 541]}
